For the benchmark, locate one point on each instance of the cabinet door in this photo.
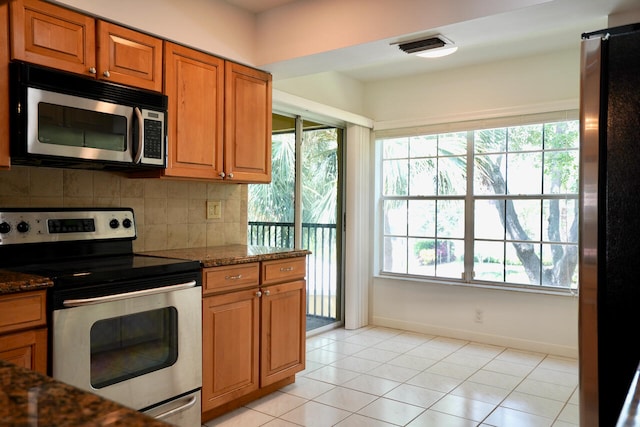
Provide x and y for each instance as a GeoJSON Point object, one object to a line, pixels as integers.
{"type": "Point", "coordinates": [22, 310]}
{"type": "Point", "coordinates": [194, 82]}
{"type": "Point", "coordinates": [45, 34]}
{"type": "Point", "coordinates": [27, 349]}
{"type": "Point", "coordinates": [129, 57]}
{"type": "Point", "coordinates": [4, 85]}
{"type": "Point", "coordinates": [283, 331]}
{"type": "Point", "coordinates": [230, 345]}
{"type": "Point", "coordinates": [247, 148]}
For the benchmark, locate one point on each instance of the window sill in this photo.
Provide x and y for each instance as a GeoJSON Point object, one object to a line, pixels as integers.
{"type": "Point", "coordinates": [563, 292]}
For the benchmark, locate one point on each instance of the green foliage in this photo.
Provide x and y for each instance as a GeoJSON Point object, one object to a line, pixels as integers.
{"type": "Point", "coordinates": [274, 202]}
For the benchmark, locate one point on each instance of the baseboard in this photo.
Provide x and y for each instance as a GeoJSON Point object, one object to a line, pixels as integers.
{"type": "Point", "coordinates": [511, 342]}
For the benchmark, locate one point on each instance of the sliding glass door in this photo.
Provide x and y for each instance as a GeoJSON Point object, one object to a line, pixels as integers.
{"type": "Point", "coordinates": [302, 207]}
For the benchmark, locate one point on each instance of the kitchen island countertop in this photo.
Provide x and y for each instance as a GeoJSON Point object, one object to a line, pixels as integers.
{"type": "Point", "coordinates": [11, 282]}
{"type": "Point", "coordinates": [215, 256]}
{"type": "Point", "coordinates": [28, 398]}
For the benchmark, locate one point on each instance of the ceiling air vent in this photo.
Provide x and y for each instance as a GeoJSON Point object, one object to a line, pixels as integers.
{"type": "Point", "coordinates": [423, 44]}
{"type": "Point", "coordinates": [432, 46]}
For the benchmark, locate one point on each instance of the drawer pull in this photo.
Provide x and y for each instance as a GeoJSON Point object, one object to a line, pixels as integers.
{"type": "Point", "coordinates": [286, 268]}
{"type": "Point", "coordinates": [237, 277]}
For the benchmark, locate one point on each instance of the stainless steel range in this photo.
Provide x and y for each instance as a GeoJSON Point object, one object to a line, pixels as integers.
{"type": "Point", "coordinates": [124, 326]}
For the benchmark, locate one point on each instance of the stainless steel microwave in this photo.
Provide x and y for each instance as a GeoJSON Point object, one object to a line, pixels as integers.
{"type": "Point", "coordinates": [60, 119]}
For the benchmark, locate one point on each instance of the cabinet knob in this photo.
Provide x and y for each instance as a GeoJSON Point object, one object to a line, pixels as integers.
{"type": "Point", "coordinates": [92, 70]}
{"type": "Point", "coordinates": [267, 293]}
{"type": "Point", "coordinates": [106, 73]}
{"type": "Point", "coordinates": [258, 294]}
{"type": "Point", "coordinates": [221, 174]}
{"type": "Point", "coordinates": [230, 175]}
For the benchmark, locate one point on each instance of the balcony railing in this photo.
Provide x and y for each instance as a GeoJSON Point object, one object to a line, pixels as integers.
{"type": "Point", "coordinates": [322, 265]}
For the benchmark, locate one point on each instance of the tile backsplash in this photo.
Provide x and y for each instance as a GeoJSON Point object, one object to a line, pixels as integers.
{"type": "Point", "coordinates": [169, 214]}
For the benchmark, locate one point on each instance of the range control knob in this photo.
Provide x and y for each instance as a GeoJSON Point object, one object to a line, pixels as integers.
{"type": "Point", "coordinates": [126, 223]}
{"type": "Point", "coordinates": [5, 228]}
{"type": "Point", "coordinates": [114, 223]}
{"type": "Point", "coordinates": [22, 227]}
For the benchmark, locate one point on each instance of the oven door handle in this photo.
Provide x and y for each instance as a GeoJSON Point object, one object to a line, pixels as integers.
{"type": "Point", "coordinates": [117, 297]}
{"type": "Point", "coordinates": [192, 401]}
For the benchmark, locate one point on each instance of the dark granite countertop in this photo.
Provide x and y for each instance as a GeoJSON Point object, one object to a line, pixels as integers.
{"type": "Point", "coordinates": [28, 398]}
{"type": "Point", "coordinates": [11, 282]}
{"type": "Point", "coordinates": [215, 256]}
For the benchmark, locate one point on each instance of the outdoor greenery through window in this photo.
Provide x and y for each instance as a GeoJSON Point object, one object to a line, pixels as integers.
{"type": "Point", "coordinates": [491, 205]}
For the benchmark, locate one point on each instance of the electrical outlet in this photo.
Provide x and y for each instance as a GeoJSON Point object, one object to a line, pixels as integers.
{"type": "Point", "coordinates": [479, 316]}
{"type": "Point", "coordinates": [214, 209]}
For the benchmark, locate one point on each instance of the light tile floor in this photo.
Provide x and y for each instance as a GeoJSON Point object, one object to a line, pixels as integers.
{"type": "Point", "coordinates": [378, 377]}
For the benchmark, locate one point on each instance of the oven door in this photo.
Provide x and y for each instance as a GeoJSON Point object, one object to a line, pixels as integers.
{"type": "Point", "coordinates": [138, 349]}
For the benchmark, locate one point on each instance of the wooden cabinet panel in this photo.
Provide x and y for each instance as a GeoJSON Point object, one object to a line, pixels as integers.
{"type": "Point", "coordinates": [230, 345]}
{"type": "Point", "coordinates": [194, 83]}
{"type": "Point", "coordinates": [49, 35]}
{"type": "Point", "coordinates": [232, 277]}
{"type": "Point", "coordinates": [129, 57]}
{"type": "Point", "coordinates": [282, 270]}
{"type": "Point", "coordinates": [4, 85]}
{"type": "Point", "coordinates": [24, 337]}
{"type": "Point", "coordinates": [22, 311]}
{"type": "Point", "coordinates": [283, 332]}
{"type": "Point", "coordinates": [247, 124]}
{"type": "Point", "coordinates": [46, 34]}
{"type": "Point", "coordinates": [27, 349]}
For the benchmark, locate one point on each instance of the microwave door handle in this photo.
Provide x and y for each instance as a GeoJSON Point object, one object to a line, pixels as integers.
{"type": "Point", "coordinates": [138, 155]}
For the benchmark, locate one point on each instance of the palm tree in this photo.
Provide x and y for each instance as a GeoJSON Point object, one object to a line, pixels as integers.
{"type": "Point", "coordinates": [275, 202]}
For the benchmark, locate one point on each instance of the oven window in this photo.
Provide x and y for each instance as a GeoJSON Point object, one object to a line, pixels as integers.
{"type": "Point", "coordinates": [62, 125]}
{"type": "Point", "coordinates": [129, 346]}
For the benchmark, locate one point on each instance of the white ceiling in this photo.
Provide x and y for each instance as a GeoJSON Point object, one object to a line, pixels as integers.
{"type": "Point", "coordinates": [551, 25]}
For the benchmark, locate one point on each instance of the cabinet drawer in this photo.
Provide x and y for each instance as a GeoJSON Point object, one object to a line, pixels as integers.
{"type": "Point", "coordinates": [283, 270]}
{"type": "Point", "coordinates": [228, 278]}
{"type": "Point", "coordinates": [22, 310]}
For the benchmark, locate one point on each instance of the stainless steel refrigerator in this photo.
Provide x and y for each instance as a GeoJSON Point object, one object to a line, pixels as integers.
{"type": "Point", "coordinates": [609, 293]}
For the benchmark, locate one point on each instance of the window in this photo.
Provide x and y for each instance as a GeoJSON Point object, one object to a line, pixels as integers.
{"type": "Point", "coordinates": [487, 205]}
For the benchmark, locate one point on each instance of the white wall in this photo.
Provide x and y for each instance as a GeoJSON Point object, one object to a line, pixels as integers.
{"type": "Point", "coordinates": [538, 322]}
{"type": "Point", "coordinates": [531, 84]}
{"type": "Point", "coordinates": [329, 88]}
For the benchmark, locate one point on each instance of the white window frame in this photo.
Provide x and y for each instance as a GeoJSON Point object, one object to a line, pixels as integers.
{"type": "Point", "coordinates": [466, 126]}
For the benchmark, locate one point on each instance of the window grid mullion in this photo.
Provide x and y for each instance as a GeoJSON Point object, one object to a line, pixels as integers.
{"type": "Point", "coordinates": [470, 200]}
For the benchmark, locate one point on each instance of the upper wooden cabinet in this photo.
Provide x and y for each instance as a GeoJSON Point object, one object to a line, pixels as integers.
{"type": "Point", "coordinates": [219, 118]}
{"type": "Point", "coordinates": [194, 83]}
{"type": "Point", "coordinates": [53, 36]}
{"type": "Point", "coordinates": [247, 137]}
{"type": "Point", "coordinates": [4, 85]}
{"type": "Point", "coordinates": [129, 57]}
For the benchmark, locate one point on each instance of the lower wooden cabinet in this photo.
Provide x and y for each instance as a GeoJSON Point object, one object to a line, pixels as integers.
{"type": "Point", "coordinates": [283, 333]}
{"type": "Point", "coordinates": [23, 332]}
{"type": "Point", "coordinates": [27, 349]}
{"type": "Point", "coordinates": [253, 334]}
{"type": "Point", "coordinates": [230, 346]}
